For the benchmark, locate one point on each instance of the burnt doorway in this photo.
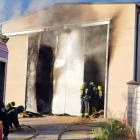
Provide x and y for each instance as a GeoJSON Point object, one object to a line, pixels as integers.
{"type": "Point", "coordinates": [44, 79]}
{"type": "Point", "coordinates": [44, 72]}
{"type": "Point", "coordinates": [2, 80]}
{"type": "Point", "coordinates": [39, 88]}
{"type": "Point", "coordinates": [95, 58]}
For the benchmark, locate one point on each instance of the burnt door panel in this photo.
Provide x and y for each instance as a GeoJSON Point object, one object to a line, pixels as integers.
{"type": "Point", "coordinates": [68, 72]}
{"type": "Point", "coordinates": [44, 76]}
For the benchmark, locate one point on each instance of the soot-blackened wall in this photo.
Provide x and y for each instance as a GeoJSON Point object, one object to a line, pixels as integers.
{"type": "Point", "coordinates": [44, 79]}
{"type": "Point", "coordinates": [44, 72]}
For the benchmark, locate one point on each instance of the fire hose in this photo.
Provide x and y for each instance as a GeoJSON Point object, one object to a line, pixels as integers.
{"type": "Point", "coordinates": [22, 129]}
{"type": "Point", "coordinates": [36, 132]}
{"type": "Point", "coordinates": [88, 131]}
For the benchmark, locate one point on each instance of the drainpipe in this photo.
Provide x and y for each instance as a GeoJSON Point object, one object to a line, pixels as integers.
{"type": "Point", "coordinates": [136, 45]}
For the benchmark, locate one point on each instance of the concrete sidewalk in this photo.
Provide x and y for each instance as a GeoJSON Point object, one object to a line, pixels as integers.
{"type": "Point", "coordinates": [50, 126]}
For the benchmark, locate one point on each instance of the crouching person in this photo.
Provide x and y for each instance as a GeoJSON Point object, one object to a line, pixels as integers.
{"type": "Point", "coordinates": [12, 113]}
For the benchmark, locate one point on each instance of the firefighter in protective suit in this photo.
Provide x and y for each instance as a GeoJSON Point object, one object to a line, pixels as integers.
{"type": "Point", "coordinates": [5, 120]}
{"type": "Point", "coordinates": [84, 100]}
{"type": "Point", "coordinates": [12, 113]}
{"type": "Point", "coordinates": [94, 98]}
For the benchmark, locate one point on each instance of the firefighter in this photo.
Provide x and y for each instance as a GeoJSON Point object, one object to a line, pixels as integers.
{"type": "Point", "coordinates": [5, 120]}
{"type": "Point", "coordinates": [94, 98]}
{"type": "Point", "coordinates": [84, 101]}
{"type": "Point", "coordinates": [12, 113]}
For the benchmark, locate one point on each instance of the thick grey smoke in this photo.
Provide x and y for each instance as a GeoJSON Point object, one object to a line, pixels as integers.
{"type": "Point", "coordinates": [95, 53]}
{"type": "Point", "coordinates": [95, 56]}
{"type": "Point", "coordinates": [68, 72]}
{"type": "Point", "coordinates": [10, 9]}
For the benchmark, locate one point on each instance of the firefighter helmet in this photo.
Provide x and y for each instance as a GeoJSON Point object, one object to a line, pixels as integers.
{"type": "Point", "coordinates": [99, 88]}
{"type": "Point", "coordinates": [85, 84]}
{"type": "Point", "coordinates": [20, 109]}
{"type": "Point", "coordinates": [92, 84]}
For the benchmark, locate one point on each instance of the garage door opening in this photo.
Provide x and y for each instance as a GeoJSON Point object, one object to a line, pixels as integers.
{"type": "Point", "coordinates": [63, 60]}
{"type": "Point", "coordinates": [82, 53]}
{"type": "Point", "coordinates": [95, 58]}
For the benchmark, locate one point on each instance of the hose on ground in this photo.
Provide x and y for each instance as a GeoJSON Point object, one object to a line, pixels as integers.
{"type": "Point", "coordinates": [36, 132]}
{"type": "Point", "coordinates": [88, 131]}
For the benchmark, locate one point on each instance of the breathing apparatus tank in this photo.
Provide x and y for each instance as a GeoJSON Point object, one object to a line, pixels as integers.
{"type": "Point", "coordinates": [100, 91]}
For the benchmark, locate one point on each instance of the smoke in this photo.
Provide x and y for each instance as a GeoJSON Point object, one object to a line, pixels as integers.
{"type": "Point", "coordinates": [15, 8]}
{"type": "Point", "coordinates": [10, 9]}
{"type": "Point", "coordinates": [68, 72]}
{"type": "Point", "coordinates": [38, 4]}
{"type": "Point", "coordinates": [95, 54]}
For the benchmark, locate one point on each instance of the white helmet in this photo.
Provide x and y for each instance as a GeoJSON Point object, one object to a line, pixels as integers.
{"type": "Point", "coordinates": [84, 84]}
{"type": "Point", "coordinates": [92, 84]}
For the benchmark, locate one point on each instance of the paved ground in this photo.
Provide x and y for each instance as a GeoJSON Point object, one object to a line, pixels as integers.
{"type": "Point", "coordinates": [50, 126]}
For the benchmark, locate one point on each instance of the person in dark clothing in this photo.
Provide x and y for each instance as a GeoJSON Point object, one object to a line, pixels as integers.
{"type": "Point", "coordinates": [94, 98]}
{"type": "Point", "coordinates": [12, 113]}
{"type": "Point", "coordinates": [84, 100]}
{"type": "Point", "coordinates": [5, 120]}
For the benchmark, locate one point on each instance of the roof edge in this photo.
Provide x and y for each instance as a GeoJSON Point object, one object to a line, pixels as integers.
{"type": "Point", "coordinates": [67, 3]}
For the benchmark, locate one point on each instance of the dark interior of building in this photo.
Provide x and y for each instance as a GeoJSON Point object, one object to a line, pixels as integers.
{"type": "Point", "coordinates": [2, 76]}
{"type": "Point", "coordinates": [95, 57]}
{"type": "Point", "coordinates": [44, 79]}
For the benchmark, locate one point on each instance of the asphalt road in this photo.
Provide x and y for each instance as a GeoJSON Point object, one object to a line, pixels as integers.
{"type": "Point", "coordinates": [49, 127]}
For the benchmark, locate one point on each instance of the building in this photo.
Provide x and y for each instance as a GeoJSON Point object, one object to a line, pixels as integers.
{"type": "Point", "coordinates": [52, 51]}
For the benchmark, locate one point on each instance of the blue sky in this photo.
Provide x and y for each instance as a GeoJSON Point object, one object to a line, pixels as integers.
{"type": "Point", "coordinates": [10, 9]}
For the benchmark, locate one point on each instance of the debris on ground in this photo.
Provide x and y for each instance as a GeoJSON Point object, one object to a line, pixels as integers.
{"type": "Point", "coordinates": [99, 114]}
{"type": "Point", "coordinates": [29, 114]}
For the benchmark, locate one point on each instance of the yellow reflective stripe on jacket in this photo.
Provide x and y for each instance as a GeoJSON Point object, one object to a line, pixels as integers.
{"type": "Point", "coordinates": [10, 111]}
{"type": "Point", "coordinates": [86, 90]}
